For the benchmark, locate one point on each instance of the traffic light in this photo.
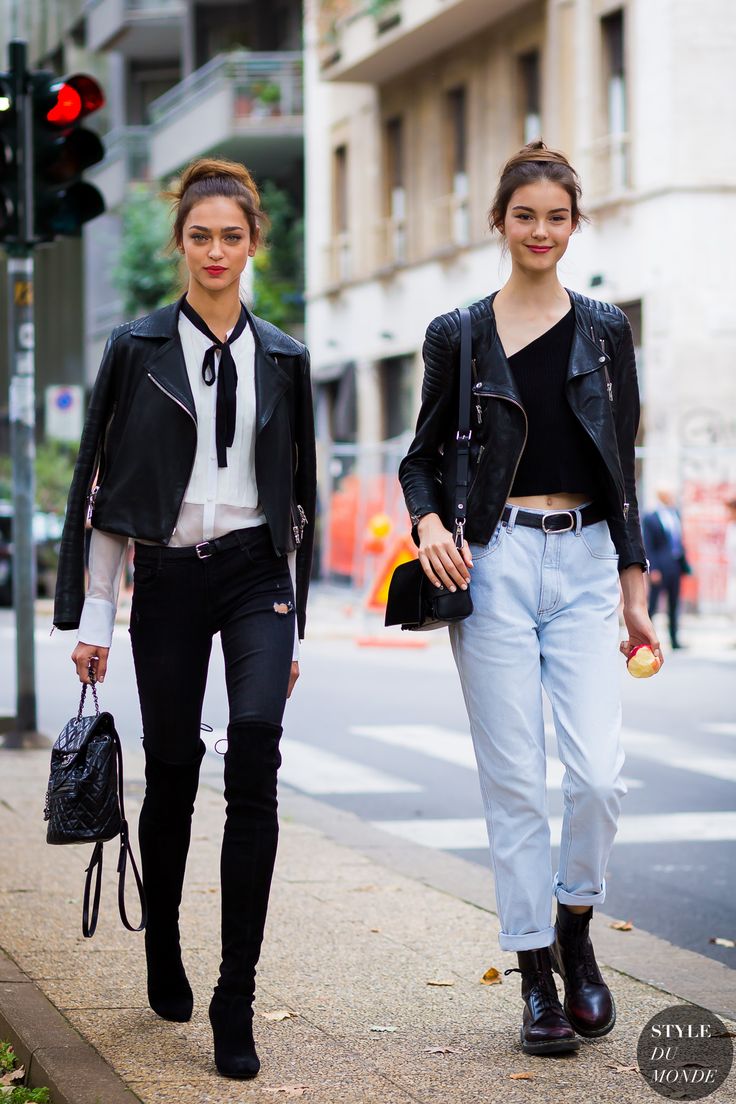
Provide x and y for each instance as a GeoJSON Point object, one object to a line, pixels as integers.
{"type": "Point", "coordinates": [62, 151]}
{"type": "Point", "coordinates": [8, 163]}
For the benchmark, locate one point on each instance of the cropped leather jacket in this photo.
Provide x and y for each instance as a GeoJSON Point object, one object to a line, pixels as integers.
{"type": "Point", "coordinates": [138, 445]}
{"type": "Point", "coordinates": [602, 391]}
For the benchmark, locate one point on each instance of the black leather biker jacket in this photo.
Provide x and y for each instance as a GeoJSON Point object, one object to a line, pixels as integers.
{"type": "Point", "coordinates": [601, 389]}
{"type": "Point", "coordinates": [137, 449]}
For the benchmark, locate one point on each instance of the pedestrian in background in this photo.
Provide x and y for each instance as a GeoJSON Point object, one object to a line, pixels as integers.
{"type": "Point", "coordinates": [667, 560]}
{"type": "Point", "coordinates": [199, 444]}
{"type": "Point", "coordinates": [552, 537]}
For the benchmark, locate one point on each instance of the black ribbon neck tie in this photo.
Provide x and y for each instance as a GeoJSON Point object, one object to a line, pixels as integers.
{"type": "Point", "coordinates": [226, 378]}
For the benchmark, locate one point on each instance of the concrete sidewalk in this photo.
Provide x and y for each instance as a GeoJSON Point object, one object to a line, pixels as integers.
{"type": "Point", "coordinates": [353, 946]}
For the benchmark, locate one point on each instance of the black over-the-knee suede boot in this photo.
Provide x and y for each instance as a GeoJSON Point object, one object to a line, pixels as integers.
{"type": "Point", "coordinates": [249, 846]}
{"type": "Point", "coordinates": [164, 831]}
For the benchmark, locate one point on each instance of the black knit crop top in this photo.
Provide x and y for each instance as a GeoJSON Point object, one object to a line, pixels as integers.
{"type": "Point", "coordinates": [559, 456]}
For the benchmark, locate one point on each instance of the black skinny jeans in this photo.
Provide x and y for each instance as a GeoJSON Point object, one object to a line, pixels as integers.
{"type": "Point", "coordinates": [179, 603]}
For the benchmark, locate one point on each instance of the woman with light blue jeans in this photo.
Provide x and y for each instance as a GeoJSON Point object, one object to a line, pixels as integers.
{"type": "Point", "coordinates": [552, 542]}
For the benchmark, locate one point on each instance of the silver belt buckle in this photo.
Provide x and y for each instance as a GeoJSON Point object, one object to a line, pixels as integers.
{"type": "Point", "coordinates": [556, 513]}
{"type": "Point", "coordinates": [201, 550]}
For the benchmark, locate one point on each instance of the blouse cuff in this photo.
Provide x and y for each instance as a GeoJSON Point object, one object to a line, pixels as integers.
{"type": "Point", "coordinates": [97, 623]}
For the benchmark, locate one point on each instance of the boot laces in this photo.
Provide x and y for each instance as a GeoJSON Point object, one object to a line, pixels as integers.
{"type": "Point", "coordinates": [544, 984]}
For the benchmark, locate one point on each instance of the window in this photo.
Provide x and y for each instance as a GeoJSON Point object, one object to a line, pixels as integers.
{"type": "Point", "coordinates": [615, 105]}
{"type": "Point", "coordinates": [397, 395]}
{"type": "Point", "coordinates": [340, 214]}
{"type": "Point", "coordinates": [396, 192]}
{"type": "Point", "coordinates": [457, 144]}
{"type": "Point", "coordinates": [530, 96]}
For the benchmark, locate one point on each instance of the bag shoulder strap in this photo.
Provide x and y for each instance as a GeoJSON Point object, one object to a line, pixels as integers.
{"type": "Point", "coordinates": [464, 432]}
{"type": "Point", "coordinates": [89, 925]}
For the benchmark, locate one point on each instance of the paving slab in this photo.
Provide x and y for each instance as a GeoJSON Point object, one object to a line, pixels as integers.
{"type": "Point", "coordinates": [356, 933]}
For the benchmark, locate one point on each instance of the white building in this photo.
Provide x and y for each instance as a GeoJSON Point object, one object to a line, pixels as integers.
{"type": "Point", "coordinates": [412, 108]}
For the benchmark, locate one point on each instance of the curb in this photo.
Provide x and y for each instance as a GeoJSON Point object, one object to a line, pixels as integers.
{"type": "Point", "coordinates": [52, 1051]}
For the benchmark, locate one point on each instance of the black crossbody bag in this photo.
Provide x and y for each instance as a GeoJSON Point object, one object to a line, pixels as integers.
{"type": "Point", "coordinates": [413, 601]}
{"type": "Point", "coordinates": [84, 803]}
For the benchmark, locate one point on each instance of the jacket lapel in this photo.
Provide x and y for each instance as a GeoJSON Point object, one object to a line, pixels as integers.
{"type": "Point", "coordinates": [271, 379]}
{"type": "Point", "coordinates": [165, 362]}
{"type": "Point", "coordinates": [168, 368]}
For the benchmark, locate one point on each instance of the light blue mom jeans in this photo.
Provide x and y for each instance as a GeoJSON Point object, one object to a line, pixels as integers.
{"type": "Point", "coordinates": [545, 616]}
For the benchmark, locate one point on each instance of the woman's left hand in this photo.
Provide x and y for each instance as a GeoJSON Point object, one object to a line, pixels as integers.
{"type": "Point", "coordinates": [293, 676]}
{"type": "Point", "coordinates": [641, 631]}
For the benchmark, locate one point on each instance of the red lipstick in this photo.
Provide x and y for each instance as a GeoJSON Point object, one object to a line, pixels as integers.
{"type": "Point", "coordinates": [215, 270]}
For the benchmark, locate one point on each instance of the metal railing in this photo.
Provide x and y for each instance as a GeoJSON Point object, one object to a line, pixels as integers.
{"type": "Point", "coordinates": [265, 85]}
{"type": "Point", "coordinates": [131, 145]}
{"type": "Point", "coordinates": [610, 165]}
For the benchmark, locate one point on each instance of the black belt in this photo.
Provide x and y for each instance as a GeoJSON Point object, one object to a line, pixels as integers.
{"type": "Point", "coordinates": [237, 538]}
{"type": "Point", "coordinates": [555, 521]}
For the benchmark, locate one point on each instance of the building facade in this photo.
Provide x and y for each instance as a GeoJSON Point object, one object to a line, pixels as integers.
{"type": "Point", "coordinates": [413, 107]}
{"type": "Point", "coordinates": [182, 79]}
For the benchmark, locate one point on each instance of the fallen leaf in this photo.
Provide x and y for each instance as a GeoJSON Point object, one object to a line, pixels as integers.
{"type": "Point", "coordinates": [12, 1075]}
{"type": "Point", "coordinates": [441, 1050]}
{"type": "Point", "coordinates": [621, 925]}
{"type": "Point", "coordinates": [289, 1090]}
{"type": "Point", "coordinates": [491, 977]}
{"type": "Point", "coordinates": [521, 1076]}
{"type": "Point", "coordinates": [375, 929]}
{"type": "Point", "coordinates": [379, 1027]}
{"type": "Point", "coordinates": [279, 1014]}
{"type": "Point", "coordinates": [622, 1069]}
{"type": "Point", "coordinates": [720, 942]}
{"type": "Point", "coordinates": [440, 983]}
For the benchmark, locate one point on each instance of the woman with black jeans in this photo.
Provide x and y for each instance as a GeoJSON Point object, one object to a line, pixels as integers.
{"type": "Point", "coordinates": [199, 444]}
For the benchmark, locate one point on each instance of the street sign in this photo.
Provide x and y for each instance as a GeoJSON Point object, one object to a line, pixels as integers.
{"type": "Point", "coordinates": [64, 413]}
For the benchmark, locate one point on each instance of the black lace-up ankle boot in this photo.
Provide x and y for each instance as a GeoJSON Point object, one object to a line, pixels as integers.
{"type": "Point", "coordinates": [588, 1001]}
{"type": "Point", "coordinates": [545, 1029]}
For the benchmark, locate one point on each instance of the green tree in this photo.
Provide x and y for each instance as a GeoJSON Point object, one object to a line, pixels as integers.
{"type": "Point", "coordinates": [54, 468]}
{"type": "Point", "coordinates": [147, 273]}
{"type": "Point", "coordinates": [278, 283]}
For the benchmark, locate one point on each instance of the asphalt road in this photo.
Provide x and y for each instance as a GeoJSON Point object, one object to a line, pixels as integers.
{"type": "Point", "coordinates": [382, 733]}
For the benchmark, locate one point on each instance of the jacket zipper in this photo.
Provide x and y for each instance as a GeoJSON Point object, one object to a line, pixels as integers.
{"type": "Point", "coordinates": [194, 420]}
{"type": "Point", "coordinates": [298, 521]}
{"type": "Point", "coordinates": [504, 398]}
{"type": "Point", "coordinates": [91, 502]}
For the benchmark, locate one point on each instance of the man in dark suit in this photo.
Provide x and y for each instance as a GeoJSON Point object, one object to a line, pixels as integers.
{"type": "Point", "coordinates": [662, 530]}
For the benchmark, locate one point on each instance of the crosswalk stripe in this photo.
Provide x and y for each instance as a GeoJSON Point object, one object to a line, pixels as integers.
{"type": "Point", "coordinates": [452, 746]}
{"type": "Point", "coordinates": [724, 728]}
{"type": "Point", "coordinates": [675, 753]}
{"type": "Point", "coordinates": [315, 771]}
{"type": "Point", "coordinates": [469, 834]}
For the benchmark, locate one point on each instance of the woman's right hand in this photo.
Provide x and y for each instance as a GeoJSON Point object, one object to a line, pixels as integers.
{"type": "Point", "coordinates": [443, 563]}
{"type": "Point", "coordinates": [85, 656]}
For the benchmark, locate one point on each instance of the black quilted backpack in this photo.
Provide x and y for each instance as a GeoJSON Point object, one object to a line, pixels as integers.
{"type": "Point", "coordinates": [84, 802]}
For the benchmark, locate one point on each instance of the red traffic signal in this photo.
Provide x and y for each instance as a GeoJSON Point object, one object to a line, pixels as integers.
{"type": "Point", "coordinates": [62, 150]}
{"type": "Point", "coordinates": [69, 100]}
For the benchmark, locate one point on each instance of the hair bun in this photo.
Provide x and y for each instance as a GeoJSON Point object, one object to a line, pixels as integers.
{"type": "Point", "coordinates": [208, 168]}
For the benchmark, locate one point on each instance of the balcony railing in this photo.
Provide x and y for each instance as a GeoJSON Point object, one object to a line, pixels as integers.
{"type": "Point", "coordinates": [266, 86]}
{"type": "Point", "coordinates": [610, 166]}
{"type": "Point", "coordinates": [339, 259]}
{"type": "Point", "coordinates": [129, 144]}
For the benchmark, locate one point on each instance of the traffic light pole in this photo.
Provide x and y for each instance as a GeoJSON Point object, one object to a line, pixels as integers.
{"type": "Point", "coordinates": [21, 335]}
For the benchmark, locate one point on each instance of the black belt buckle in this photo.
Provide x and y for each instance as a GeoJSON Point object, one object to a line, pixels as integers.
{"type": "Point", "coordinates": [203, 550]}
{"type": "Point", "coordinates": [558, 513]}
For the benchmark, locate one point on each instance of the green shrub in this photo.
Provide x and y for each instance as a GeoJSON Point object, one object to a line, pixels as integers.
{"type": "Point", "coordinates": [17, 1094]}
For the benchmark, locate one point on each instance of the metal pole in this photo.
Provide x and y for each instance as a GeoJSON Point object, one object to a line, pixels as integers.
{"type": "Point", "coordinates": [21, 336]}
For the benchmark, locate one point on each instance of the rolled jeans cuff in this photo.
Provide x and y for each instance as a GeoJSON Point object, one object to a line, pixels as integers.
{"type": "Point", "coordinates": [585, 900]}
{"type": "Point", "coordinates": [530, 941]}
